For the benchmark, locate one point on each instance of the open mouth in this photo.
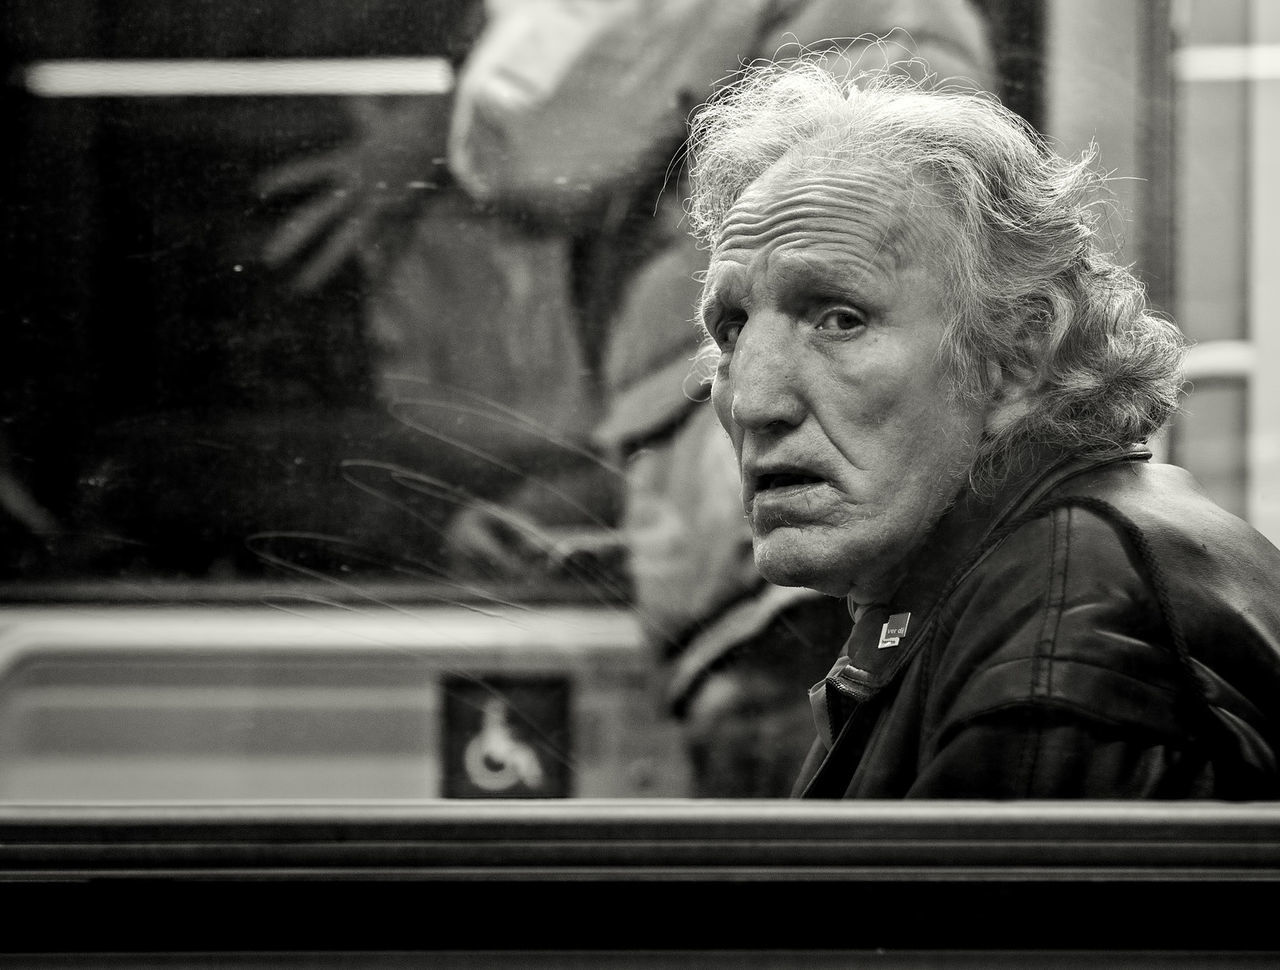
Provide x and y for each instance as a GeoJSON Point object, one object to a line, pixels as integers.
{"type": "Point", "coordinates": [785, 480]}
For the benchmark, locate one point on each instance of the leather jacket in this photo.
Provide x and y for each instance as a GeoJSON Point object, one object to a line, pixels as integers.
{"type": "Point", "coordinates": [1102, 630]}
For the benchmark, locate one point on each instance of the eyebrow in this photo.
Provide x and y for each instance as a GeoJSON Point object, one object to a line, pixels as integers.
{"type": "Point", "coordinates": [833, 275]}
{"type": "Point", "coordinates": [710, 303]}
{"type": "Point", "coordinates": [805, 271]}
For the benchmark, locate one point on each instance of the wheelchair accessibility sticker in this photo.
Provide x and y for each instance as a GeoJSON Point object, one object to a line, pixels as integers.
{"type": "Point", "coordinates": [506, 736]}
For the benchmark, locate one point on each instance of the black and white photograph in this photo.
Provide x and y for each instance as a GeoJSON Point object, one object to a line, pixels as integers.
{"type": "Point", "coordinates": [640, 483]}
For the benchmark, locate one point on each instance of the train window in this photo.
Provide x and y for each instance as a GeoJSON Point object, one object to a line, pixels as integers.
{"type": "Point", "coordinates": [322, 464]}
{"type": "Point", "coordinates": [363, 528]}
{"type": "Point", "coordinates": [268, 363]}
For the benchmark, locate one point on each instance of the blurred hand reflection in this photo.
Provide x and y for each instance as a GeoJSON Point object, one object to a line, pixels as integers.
{"type": "Point", "coordinates": [559, 529]}
{"type": "Point", "coordinates": [353, 198]}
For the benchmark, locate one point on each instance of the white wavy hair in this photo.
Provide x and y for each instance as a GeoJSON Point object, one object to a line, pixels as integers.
{"type": "Point", "coordinates": [1034, 294]}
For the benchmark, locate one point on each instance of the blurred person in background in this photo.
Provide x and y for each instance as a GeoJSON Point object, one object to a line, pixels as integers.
{"type": "Point", "coordinates": [468, 310]}
{"type": "Point", "coordinates": [573, 114]}
{"type": "Point", "coordinates": [938, 387]}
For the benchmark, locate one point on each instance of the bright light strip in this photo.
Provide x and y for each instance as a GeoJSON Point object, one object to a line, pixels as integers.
{"type": "Point", "coordinates": [1228, 62]}
{"type": "Point", "coordinates": [1225, 359]}
{"type": "Point", "coordinates": [172, 78]}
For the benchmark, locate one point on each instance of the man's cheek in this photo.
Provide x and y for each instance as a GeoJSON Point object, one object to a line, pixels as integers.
{"type": "Point", "coordinates": [720, 401]}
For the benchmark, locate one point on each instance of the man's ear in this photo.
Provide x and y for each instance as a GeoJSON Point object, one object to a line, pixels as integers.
{"type": "Point", "coordinates": [1015, 379]}
{"type": "Point", "coordinates": [1010, 395]}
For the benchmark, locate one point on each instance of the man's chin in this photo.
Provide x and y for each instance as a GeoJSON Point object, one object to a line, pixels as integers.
{"type": "Point", "coordinates": [791, 567]}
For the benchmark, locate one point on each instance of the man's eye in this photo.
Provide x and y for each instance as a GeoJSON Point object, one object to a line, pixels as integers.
{"type": "Point", "coordinates": [728, 331]}
{"type": "Point", "coordinates": [840, 318]}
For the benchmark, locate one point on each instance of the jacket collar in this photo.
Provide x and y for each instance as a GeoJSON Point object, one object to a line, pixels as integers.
{"type": "Point", "coordinates": [971, 522]}
{"type": "Point", "coordinates": [886, 636]}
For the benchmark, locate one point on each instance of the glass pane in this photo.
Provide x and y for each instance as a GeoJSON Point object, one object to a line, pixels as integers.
{"type": "Point", "coordinates": [327, 472]}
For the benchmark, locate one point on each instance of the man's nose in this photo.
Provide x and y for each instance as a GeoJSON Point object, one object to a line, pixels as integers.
{"type": "Point", "coordinates": [764, 375]}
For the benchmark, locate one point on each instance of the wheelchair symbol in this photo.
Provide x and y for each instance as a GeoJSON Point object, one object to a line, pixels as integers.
{"type": "Point", "coordinates": [494, 759]}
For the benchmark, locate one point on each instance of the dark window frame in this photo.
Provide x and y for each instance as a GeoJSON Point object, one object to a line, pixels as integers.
{"type": "Point", "coordinates": [544, 876]}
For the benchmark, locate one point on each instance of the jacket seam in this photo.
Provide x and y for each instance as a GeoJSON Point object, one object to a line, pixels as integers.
{"type": "Point", "coordinates": [1041, 705]}
{"type": "Point", "coordinates": [1054, 598]}
{"type": "Point", "coordinates": [1030, 759]}
{"type": "Point", "coordinates": [1172, 692]}
{"type": "Point", "coordinates": [1042, 659]}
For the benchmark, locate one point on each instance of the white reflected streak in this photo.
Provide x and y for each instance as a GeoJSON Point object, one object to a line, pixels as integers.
{"type": "Point", "coordinates": [426, 630]}
{"type": "Point", "coordinates": [1224, 359]}
{"type": "Point", "coordinates": [299, 76]}
{"type": "Point", "coordinates": [1227, 62]}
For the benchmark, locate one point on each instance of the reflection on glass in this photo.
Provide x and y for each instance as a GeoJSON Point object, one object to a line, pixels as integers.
{"type": "Point", "coordinates": [333, 454]}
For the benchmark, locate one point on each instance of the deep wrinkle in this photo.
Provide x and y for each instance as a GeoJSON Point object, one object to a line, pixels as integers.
{"type": "Point", "coordinates": [830, 202]}
{"type": "Point", "coordinates": [835, 293]}
{"type": "Point", "coordinates": [853, 205]}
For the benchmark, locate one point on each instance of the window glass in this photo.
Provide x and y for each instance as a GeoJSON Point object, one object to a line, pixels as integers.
{"type": "Point", "coordinates": [322, 475]}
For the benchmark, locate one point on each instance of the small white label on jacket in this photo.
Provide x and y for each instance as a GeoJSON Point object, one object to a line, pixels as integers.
{"type": "Point", "coordinates": [891, 633]}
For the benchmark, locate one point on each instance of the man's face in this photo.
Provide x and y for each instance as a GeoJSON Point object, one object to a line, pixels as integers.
{"type": "Point", "coordinates": [826, 299]}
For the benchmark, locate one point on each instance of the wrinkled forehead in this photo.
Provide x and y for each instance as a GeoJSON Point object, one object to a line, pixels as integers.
{"type": "Point", "coordinates": [882, 217]}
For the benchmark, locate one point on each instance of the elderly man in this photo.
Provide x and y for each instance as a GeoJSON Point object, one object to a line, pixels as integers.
{"type": "Point", "coordinates": [938, 387]}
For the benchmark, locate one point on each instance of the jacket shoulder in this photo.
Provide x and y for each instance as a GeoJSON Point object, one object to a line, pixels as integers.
{"type": "Point", "coordinates": [1058, 614]}
{"type": "Point", "coordinates": [1129, 598]}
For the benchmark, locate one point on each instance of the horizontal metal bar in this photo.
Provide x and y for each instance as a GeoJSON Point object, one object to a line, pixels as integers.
{"type": "Point", "coordinates": [641, 875]}
{"type": "Point", "coordinates": [629, 875]}
{"type": "Point", "coordinates": [1227, 359]}
{"type": "Point", "coordinates": [659, 839]}
{"type": "Point", "coordinates": [238, 78]}
{"type": "Point", "coordinates": [1227, 62]}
